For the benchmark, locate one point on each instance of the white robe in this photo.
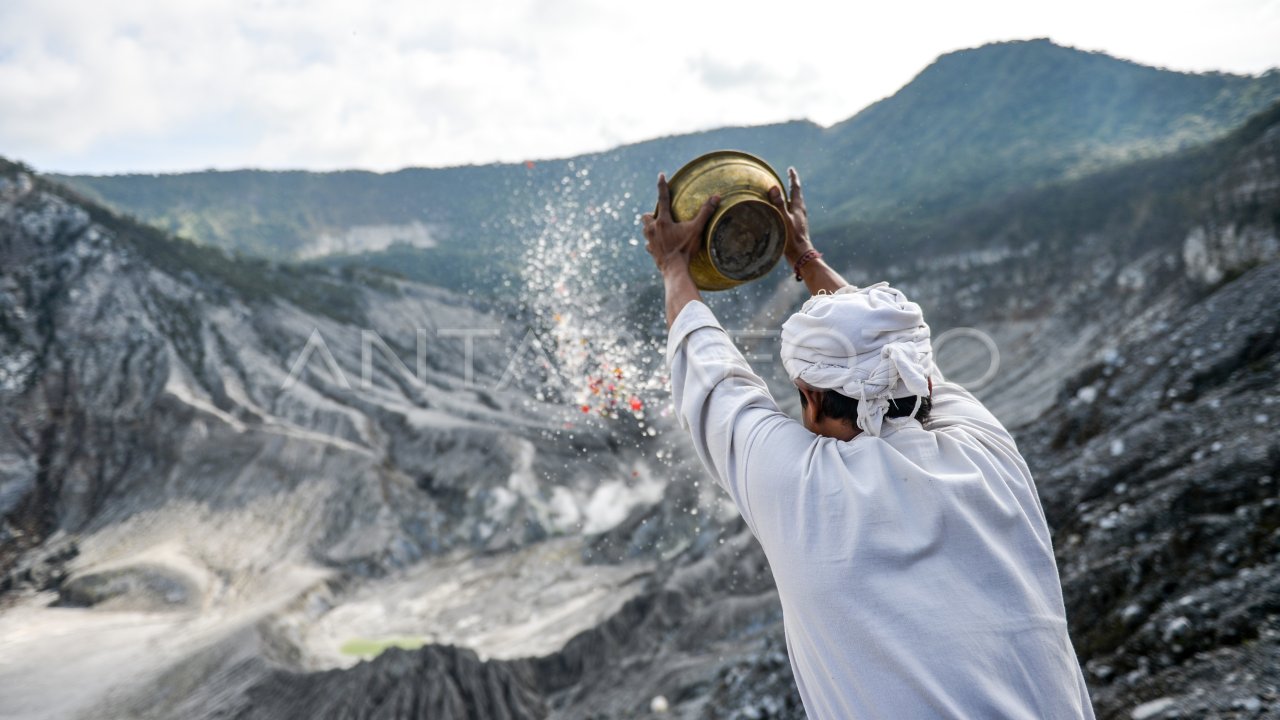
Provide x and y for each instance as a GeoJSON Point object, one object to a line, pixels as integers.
{"type": "Point", "coordinates": [915, 570]}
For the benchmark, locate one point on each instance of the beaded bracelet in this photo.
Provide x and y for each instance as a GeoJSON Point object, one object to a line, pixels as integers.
{"type": "Point", "coordinates": [810, 255]}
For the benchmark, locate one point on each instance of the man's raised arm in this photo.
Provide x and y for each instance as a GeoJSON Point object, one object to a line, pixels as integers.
{"type": "Point", "coordinates": [723, 404]}
{"type": "Point", "coordinates": [817, 275]}
{"type": "Point", "coordinates": [673, 245]}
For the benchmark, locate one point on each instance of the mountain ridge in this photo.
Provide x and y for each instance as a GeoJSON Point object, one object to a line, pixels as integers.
{"type": "Point", "coordinates": [933, 145]}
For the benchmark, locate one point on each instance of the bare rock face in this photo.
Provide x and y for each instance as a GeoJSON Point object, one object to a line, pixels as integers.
{"type": "Point", "coordinates": [168, 449]}
{"type": "Point", "coordinates": [1236, 233]}
{"type": "Point", "coordinates": [139, 587]}
{"type": "Point", "coordinates": [129, 390]}
{"type": "Point", "coordinates": [436, 682]}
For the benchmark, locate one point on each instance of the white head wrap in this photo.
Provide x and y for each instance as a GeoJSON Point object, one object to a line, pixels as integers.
{"type": "Point", "coordinates": [870, 344]}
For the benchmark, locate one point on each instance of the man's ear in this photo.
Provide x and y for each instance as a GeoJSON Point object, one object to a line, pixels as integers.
{"type": "Point", "coordinates": [814, 400]}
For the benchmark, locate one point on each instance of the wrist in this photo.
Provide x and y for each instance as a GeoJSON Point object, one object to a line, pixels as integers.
{"type": "Point", "coordinates": [675, 268]}
{"type": "Point", "coordinates": [796, 249]}
{"type": "Point", "coordinates": [807, 261]}
{"type": "Point", "coordinates": [680, 289]}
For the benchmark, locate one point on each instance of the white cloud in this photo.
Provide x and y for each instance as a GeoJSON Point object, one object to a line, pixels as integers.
{"type": "Point", "coordinates": [152, 85]}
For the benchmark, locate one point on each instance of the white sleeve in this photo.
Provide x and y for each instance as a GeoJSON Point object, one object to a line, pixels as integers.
{"type": "Point", "coordinates": [726, 407]}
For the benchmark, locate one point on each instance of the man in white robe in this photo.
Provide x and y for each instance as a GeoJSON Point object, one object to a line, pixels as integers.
{"type": "Point", "coordinates": [912, 559]}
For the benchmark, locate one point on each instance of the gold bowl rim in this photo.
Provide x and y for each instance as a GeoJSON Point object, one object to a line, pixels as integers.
{"type": "Point", "coordinates": [694, 164]}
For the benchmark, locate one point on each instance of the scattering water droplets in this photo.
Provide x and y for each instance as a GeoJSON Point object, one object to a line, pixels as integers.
{"type": "Point", "coordinates": [572, 289]}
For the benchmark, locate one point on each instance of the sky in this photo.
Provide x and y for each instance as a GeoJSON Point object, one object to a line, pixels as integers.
{"type": "Point", "coordinates": [88, 86]}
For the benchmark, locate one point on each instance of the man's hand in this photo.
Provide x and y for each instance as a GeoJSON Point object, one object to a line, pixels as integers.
{"type": "Point", "coordinates": [673, 244]}
{"type": "Point", "coordinates": [817, 275]}
{"type": "Point", "coordinates": [796, 216]}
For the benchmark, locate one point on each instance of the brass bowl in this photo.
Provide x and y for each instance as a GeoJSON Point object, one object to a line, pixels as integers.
{"type": "Point", "coordinates": [746, 234]}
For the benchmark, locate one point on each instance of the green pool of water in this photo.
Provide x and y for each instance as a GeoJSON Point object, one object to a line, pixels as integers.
{"type": "Point", "coordinates": [372, 647]}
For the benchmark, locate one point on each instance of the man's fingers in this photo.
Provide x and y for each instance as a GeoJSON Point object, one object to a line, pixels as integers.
{"type": "Point", "coordinates": [647, 225]}
{"type": "Point", "coordinates": [664, 197]}
{"type": "Point", "coordinates": [797, 197]}
{"type": "Point", "coordinates": [704, 213]}
{"type": "Point", "coordinates": [776, 197]}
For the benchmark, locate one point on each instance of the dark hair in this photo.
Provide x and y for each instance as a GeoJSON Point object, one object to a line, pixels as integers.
{"type": "Point", "coordinates": [842, 407]}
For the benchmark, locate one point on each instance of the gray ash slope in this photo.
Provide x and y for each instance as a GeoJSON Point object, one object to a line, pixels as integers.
{"type": "Point", "coordinates": [1159, 466]}
{"type": "Point", "coordinates": [171, 501]}
{"type": "Point", "coordinates": [153, 469]}
{"type": "Point", "coordinates": [140, 370]}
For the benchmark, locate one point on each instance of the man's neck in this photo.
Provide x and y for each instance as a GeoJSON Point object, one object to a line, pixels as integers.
{"type": "Point", "coordinates": [840, 429]}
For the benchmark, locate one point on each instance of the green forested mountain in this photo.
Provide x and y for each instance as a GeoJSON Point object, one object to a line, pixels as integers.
{"type": "Point", "coordinates": [279, 214]}
{"type": "Point", "coordinates": [972, 127]}
{"type": "Point", "coordinates": [981, 122]}
{"type": "Point", "coordinates": [1141, 204]}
